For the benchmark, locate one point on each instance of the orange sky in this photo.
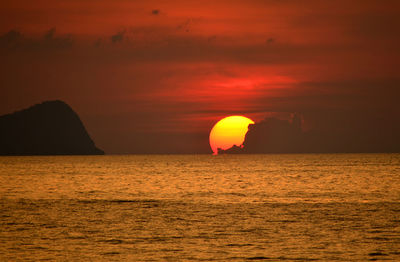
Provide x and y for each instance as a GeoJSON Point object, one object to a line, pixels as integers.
{"type": "Point", "coordinates": [136, 70]}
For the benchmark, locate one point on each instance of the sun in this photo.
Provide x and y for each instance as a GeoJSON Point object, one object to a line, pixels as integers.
{"type": "Point", "coordinates": [229, 131]}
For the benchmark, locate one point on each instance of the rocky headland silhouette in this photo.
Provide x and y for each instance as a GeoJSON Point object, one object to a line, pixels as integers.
{"type": "Point", "coordinates": [277, 136]}
{"type": "Point", "coordinates": [49, 128]}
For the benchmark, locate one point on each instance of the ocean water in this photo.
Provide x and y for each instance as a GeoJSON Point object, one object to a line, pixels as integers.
{"type": "Point", "coordinates": [328, 207]}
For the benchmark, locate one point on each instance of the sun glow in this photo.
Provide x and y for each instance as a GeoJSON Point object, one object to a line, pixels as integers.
{"type": "Point", "coordinates": [229, 131]}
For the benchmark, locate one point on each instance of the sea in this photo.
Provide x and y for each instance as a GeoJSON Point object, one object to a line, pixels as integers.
{"type": "Point", "coordinates": [288, 207]}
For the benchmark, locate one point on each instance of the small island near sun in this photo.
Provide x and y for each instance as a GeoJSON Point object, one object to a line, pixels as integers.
{"type": "Point", "coordinates": [49, 128]}
{"type": "Point", "coordinates": [279, 136]}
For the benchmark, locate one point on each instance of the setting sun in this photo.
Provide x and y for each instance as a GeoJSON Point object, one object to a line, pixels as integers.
{"type": "Point", "coordinates": [229, 131]}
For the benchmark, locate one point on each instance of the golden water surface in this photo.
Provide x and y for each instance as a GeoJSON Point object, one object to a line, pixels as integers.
{"type": "Point", "coordinates": [330, 207]}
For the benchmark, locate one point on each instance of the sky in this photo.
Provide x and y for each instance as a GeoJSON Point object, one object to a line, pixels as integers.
{"type": "Point", "coordinates": [155, 76]}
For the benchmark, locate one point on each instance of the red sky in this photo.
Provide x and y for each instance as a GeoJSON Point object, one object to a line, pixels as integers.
{"type": "Point", "coordinates": [154, 76]}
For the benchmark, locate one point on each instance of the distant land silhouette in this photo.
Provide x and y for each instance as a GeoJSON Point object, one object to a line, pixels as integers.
{"type": "Point", "coordinates": [274, 135]}
{"type": "Point", "coordinates": [49, 128]}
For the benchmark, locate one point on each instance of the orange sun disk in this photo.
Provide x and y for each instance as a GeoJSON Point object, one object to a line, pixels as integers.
{"type": "Point", "coordinates": [228, 132]}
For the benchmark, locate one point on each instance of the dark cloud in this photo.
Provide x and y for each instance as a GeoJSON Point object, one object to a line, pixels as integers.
{"type": "Point", "coordinates": [352, 95]}
{"type": "Point", "coordinates": [118, 37]}
{"type": "Point", "coordinates": [50, 41]}
{"type": "Point", "coordinates": [11, 39]}
{"type": "Point", "coordinates": [166, 48]}
{"type": "Point", "coordinates": [98, 42]}
{"type": "Point", "coordinates": [270, 40]}
{"type": "Point", "coordinates": [155, 12]}
{"type": "Point", "coordinates": [49, 35]}
{"type": "Point", "coordinates": [186, 26]}
{"type": "Point", "coordinates": [146, 44]}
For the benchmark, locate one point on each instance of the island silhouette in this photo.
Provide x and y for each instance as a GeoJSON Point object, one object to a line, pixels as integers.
{"type": "Point", "coordinates": [277, 136]}
{"type": "Point", "coordinates": [49, 128]}
{"type": "Point", "coordinates": [53, 128]}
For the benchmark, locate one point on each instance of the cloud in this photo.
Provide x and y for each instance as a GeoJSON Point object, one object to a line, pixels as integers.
{"type": "Point", "coordinates": [50, 41]}
{"type": "Point", "coordinates": [186, 26]}
{"type": "Point", "coordinates": [98, 42]}
{"type": "Point", "coordinates": [270, 40]}
{"type": "Point", "coordinates": [168, 43]}
{"type": "Point", "coordinates": [49, 35]}
{"type": "Point", "coordinates": [118, 37]}
{"type": "Point", "coordinates": [11, 39]}
{"type": "Point", "coordinates": [174, 47]}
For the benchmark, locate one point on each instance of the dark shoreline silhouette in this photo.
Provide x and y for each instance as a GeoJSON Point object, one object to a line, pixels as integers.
{"type": "Point", "coordinates": [276, 136]}
{"type": "Point", "coordinates": [49, 128]}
